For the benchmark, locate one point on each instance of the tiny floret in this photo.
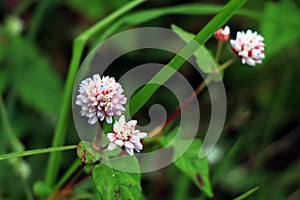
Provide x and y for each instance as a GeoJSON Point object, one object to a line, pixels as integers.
{"type": "Point", "coordinates": [100, 98]}
{"type": "Point", "coordinates": [222, 34]}
{"type": "Point", "coordinates": [249, 47]}
{"type": "Point", "coordinates": [125, 136]}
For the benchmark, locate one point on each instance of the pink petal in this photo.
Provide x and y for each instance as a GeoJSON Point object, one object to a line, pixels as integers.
{"type": "Point", "coordinates": [111, 137]}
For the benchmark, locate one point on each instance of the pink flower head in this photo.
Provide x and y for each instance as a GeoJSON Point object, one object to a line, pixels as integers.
{"type": "Point", "coordinates": [125, 135]}
{"type": "Point", "coordinates": [222, 34]}
{"type": "Point", "coordinates": [100, 98]}
{"type": "Point", "coordinates": [249, 46]}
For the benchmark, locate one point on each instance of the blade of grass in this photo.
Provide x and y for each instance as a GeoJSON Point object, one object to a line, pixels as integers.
{"type": "Point", "coordinates": [185, 9]}
{"type": "Point", "coordinates": [181, 187]}
{"type": "Point", "coordinates": [163, 75]}
{"type": "Point", "coordinates": [16, 146]}
{"type": "Point", "coordinates": [67, 175]}
{"type": "Point", "coordinates": [14, 141]}
{"type": "Point", "coordinates": [35, 152]}
{"type": "Point", "coordinates": [78, 47]}
{"type": "Point", "coordinates": [277, 109]}
{"type": "Point", "coordinates": [246, 194]}
{"type": "Point", "coordinates": [41, 10]}
{"type": "Point", "coordinates": [226, 161]}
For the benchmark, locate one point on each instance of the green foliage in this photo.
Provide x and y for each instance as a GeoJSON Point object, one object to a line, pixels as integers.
{"type": "Point", "coordinates": [204, 57]}
{"type": "Point", "coordinates": [246, 194]}
{"type": "Point", "coordinates": [163, 75]}
{"type": "Point", "coordinates": [33, 97]}
{"type": "Point", "coordinates": [86, 153]}
{"type": "Point", "coordinates": [280, 32]}
{"type": "Point", "coordinates": [113, 184]}
{"type": "Point", "coordinates": [189, 163]}
{"type": "Point", "coordinates": [144, 16]}
{"type": "Point", "coordinates": [194, 167]}
{"type": "Point", "coordinates": [34, 80]}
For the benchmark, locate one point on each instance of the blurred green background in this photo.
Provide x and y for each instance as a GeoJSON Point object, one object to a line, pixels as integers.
{"type": "Point", "coordinates": [260, 144]}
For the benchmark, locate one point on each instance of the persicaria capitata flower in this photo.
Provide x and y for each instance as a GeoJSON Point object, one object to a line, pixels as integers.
{"type": "Point", "coordinates": [249, 46]}
{"type": "Point", "coordinates": [222, 34]}
{"type": "Point", "coordinates": [100, 98]}
{"type": "Point", "coordinates": [125, 136]}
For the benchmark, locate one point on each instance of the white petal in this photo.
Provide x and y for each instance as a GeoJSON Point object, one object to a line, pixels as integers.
{"type": "Point", "coordinates": [122, 119]}
{"type": "Point", "coordinates": [141, 135]}
{"type": "Point", "coordinates": [138, 146]}
{"type": "Point", "coordinates": [134, 139]}
{"type": "Point", "coordinates": [128, 144]}
{"type": "Point", "coordinates": [111, 137]}
{"type": "Point", "coordinates": [112, 146]}
{"type": "Point", "coordinates": [226, 30]}
{"type": "Point", "coordinates": [250, 61]}
{"type": "Point", "coordinates": [109, 119]}
{"type": "Point", "coordinates": [132, 123]}
{"type": "Point", "coordinates": [119, 143]}
{"type": "Point", "coordinates": [129, 151]}
{"type": "Point", "coordinates": [93, 120]}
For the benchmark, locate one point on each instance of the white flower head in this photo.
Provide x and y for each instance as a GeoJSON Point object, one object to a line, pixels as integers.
{"type": "Point", "coordinates": [223, 34]}
{"type": "Point", "coordinates": [249, 46]}
{"type": "Point", "coordinates": [125, 136]}
{"type": "Point", "coordinates": [100, 98]}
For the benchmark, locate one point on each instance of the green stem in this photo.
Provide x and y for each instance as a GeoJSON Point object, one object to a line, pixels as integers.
{"type": "Point", "coordinates": [227, 64]}
{"type": "Point", "coordinates": [218, 53]}
{"type": "Point", "coordinates": [68, 174]}
{"type": "Point", "coordinates": [37, 19]}
{"type": "Point", "coordinates": [16, 146]}
{"type": "Point", "coordinates": [13, 140]}
{"type": "Point", "coordinates": [78, 46]}
{"type": "Point", "coordinates": [35, 152]}
{"type": "Point", "coordinates": [246, 194]}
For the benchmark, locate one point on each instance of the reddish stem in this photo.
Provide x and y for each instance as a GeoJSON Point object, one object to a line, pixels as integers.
{"type": "Point", "coordinates": [186, 103]}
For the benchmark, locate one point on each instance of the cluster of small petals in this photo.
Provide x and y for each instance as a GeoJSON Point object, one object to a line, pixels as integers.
{"type": "Point", "coordinates": [222, 34]}
{"type": "Point", "coordinates": [125, 136]}
{"type": "Point", "coordinates": [249, 46]}
{"type": "Point", "coordinates": [100, 98]}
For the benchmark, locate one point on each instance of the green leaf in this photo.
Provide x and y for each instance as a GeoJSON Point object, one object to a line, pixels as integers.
{"type": "Point", "coordinates": [194, 167]}
{"type": "Point", "coordinates": [86, 153]}
{"type": "Point", "coordinates": [286, 23]}
{"type": "Point", "coordinates": [40, 87]}
{"type": "Point", "coordinates": [246, 194]}
{"type": "Point", "coordinates": [113, 184]}
{"type": "Point", "coordinates": [35, 81]}
{"type": "Point", "coordinates": [168, 137]}
{"type": "Point", "coordinates": [204, 58]}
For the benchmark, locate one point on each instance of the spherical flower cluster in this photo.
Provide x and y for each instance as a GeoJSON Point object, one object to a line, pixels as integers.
{"type": "Point", "coordinates": [100, 98]}
{"type": "Point", "coordinates": [222, 34]}
{"type": "Point", "coordinates": [125, 136]}
{"type": "Point", "coordinates": [249, 46]}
